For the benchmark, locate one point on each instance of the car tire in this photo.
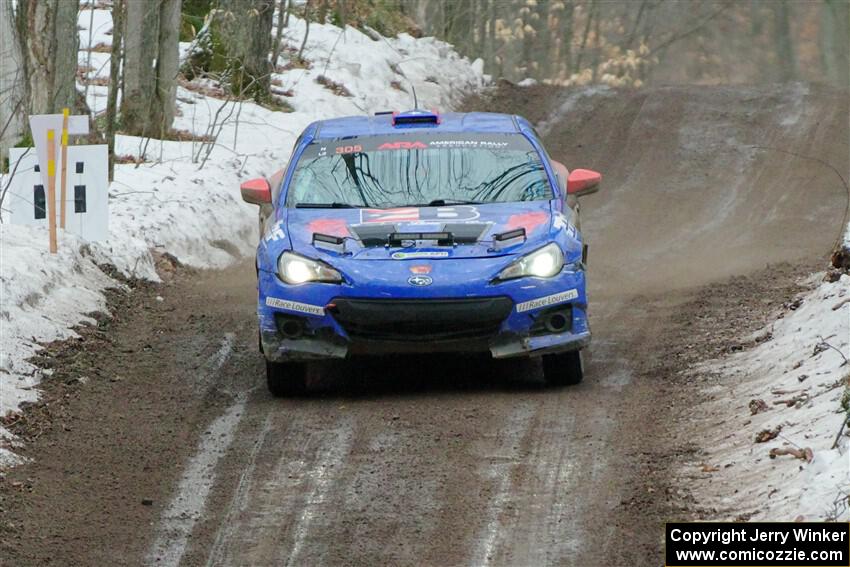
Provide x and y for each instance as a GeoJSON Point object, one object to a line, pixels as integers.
{"type": "Point", "coordinates": [563, 369]}
{"type": "Point", "coordinates": [286, 378]}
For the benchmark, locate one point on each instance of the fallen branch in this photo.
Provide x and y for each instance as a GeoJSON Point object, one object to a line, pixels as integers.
{"type": "Point", "coordinates": [790, 402]}
{"type": "Point", "coordinates": [780, 392]}
{"type": "Point", "coordinates": [840, 431]}
{"type": "Point", "coordinates": [802, 454]}
{"type": "Point", "coordinates": [826, 345]}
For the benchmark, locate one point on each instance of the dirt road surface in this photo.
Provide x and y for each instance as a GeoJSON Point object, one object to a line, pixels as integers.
{"type": "Point", "coordinates": [156, 442]}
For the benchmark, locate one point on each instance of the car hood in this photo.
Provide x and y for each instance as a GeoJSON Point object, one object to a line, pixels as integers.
{"type": "Point", "coordinates": [473, 227]}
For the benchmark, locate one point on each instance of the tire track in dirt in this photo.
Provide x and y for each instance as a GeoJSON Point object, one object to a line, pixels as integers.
{"type": "Point", "coordinates": [238, 502]}
{"type": "Point", "coordinates": [499, 469]}
{"type": "Point", "coordinates": [195, 484]}
{"type": "Point", "coordinates": [318, 481]}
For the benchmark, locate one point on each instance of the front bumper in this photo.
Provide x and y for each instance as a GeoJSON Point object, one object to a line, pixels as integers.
{"type": "Point", "coordinates": [508, 319]}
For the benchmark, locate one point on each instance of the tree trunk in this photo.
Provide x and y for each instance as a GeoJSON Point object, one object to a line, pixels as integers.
{"type": "Point", "coordinates": [630, 40]}
{"type": "Point", "coordinates": [526, 63]}
{"type": "Point", "coordinates": [786, 61]}
{"type": "Point", "coordinates": [141, 38]}
{"type": "Point", "coordinates": [835, 42]}
{"type": "Point", "coordinates": [589, 20]}
{"type": "Point", "coordinates": [306, 30]}
{"type": "Point", "coordinates": [114, 80]}
{"type": "Point", "coordinates": [168, 63]}
{"type": "Point", "coordinates": [47, 30]}
{"type": "Point", "coordinates": [543, 50]}
{"type": "Point", "coordinates": [597, 51]}
{"type": "Point", "coordinates": [282, 17]}
{"type": "Point", "coordinates": [244, 29]}
{"type": "Point", "coordinates": [567, 38]}
{"type": "Point", "coordinates": [151, 33]}
{"type": "Point", "coordinates": [489, 43]}
{"type": "Point", "coordinates": [13, 92]}
{"type": "Point", "coordinates": [481, 18]}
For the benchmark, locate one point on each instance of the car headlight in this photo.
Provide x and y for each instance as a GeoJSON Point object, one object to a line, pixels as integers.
{"type": "Point", "coordinates": [295, 269]}
{"type": "Point", "coordinates": [542, 263]}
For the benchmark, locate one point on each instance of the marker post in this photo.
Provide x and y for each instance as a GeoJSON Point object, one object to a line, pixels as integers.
{"type": "Point", "coordinates": [51, 188]}
{"type": "Point", "coordinates": [64, 181]}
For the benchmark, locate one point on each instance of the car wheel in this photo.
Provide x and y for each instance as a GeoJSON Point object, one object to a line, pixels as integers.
{"type": "Point", "coordinates": [286, 378]}
{"type": "Point", "coordinates": [563, 369]}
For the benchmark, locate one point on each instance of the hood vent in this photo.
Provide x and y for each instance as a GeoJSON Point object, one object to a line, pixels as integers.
{"type": "Point", "coordinates": [507, 239]}
{"type": "Point", "coordinates": [328, 242]}
{"type": "Point", "coordinates": [386, 234]}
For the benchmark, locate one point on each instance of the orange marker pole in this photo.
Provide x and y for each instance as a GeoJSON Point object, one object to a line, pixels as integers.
{"type": "Point", "coordinates": [51, 189]}
{"type": "Point", "coordinates": [64, 181]}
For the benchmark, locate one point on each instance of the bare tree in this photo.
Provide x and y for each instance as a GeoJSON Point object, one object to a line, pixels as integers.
{"type": "Point", "coordinates": [151, 35]}
{"type": "Point", "coordinates": [47, 30]}
{"type": "Point", "coordinates": [835, 41]}
{"type": "Point", "coordinates": [543, 46]}
{"type": "Point", "coordinates": [244, 28]}
{"type": "Point", "coordinates": [13, 93]}
{"type": "Point", "coordinates": [114, 81]}
{"type": "Point", "coordinates": [282, 17]}
{"type": "Point", "coordinates": [566, 52]}
{"type": "Point", "coordinates": [306, 30]}
{"type": "Point", "coordinates": [786, 60]}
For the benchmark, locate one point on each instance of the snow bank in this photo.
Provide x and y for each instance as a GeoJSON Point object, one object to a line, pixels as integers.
{"type": "Point", "coordinates": [800, 374]}
{"type": "Point", "coordinates": [178, 203]}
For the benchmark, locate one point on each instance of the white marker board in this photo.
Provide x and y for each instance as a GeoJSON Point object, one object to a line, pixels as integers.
{"type": "Point", "coordinates": [87, 198]}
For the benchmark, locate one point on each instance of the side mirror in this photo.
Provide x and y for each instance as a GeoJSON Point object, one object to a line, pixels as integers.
{"type": "Point", "coordinates": [256, 191]}
{"type": "Point", "coordinates": [583, 182]}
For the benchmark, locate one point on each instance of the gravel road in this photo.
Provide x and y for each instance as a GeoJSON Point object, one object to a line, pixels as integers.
{"type": "Point", "coordinates": [156, 441]}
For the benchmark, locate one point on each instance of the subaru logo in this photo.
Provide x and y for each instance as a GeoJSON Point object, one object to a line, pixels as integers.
{"type": "Point", "coordinates": [419, 280]}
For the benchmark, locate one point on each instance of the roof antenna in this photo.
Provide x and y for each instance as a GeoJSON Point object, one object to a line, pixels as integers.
{"type": "Point", "coordinates": [415, 100]}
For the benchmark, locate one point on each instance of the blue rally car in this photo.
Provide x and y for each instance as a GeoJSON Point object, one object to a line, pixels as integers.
{"type": "Point", "coordinates": [416, 232]}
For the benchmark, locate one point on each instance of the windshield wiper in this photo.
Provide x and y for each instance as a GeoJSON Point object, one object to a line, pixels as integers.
{"type": "Point", "coordinates": [333, 205]}
{"type": "Point", "coordinates": [450, 201]}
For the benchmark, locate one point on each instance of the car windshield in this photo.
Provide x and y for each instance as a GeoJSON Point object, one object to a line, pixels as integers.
{"type": "Point", "coordinates": [418, 169]}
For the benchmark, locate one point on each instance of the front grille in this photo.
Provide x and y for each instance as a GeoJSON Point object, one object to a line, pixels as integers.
{"type": "Point", "coordinates": [421, 319]}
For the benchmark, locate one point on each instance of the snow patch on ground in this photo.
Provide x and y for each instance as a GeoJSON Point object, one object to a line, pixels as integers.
{"type": "Point", "coordinates": [800, 373]}
{"type": "Point", "coordinates": [183, 199]}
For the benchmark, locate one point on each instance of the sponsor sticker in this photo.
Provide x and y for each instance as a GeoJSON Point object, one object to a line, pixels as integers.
{"type": "Point", "coordinates": [402, 146]}
{"type": "Point", "coordinates": [331, 227]}
{"type": "Point", "coordinates": [546, 301]}
{"type": "Point", "coordinates": [486, 144]}
{"type": "Point", "coordinates": [414, 255]}
{"type": "Point", "coordinates": [560, 221]}
{"type": "Point", "coordinates": [459, 213]}
{"type": "Point", "coordinates": [529, 221]}
{"type": "Point", "coordinates": [418, 141]}
{"type": "Point", "coordinates": [295, 306]}
{"type": "Point", "coordinates": [275, 232]}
